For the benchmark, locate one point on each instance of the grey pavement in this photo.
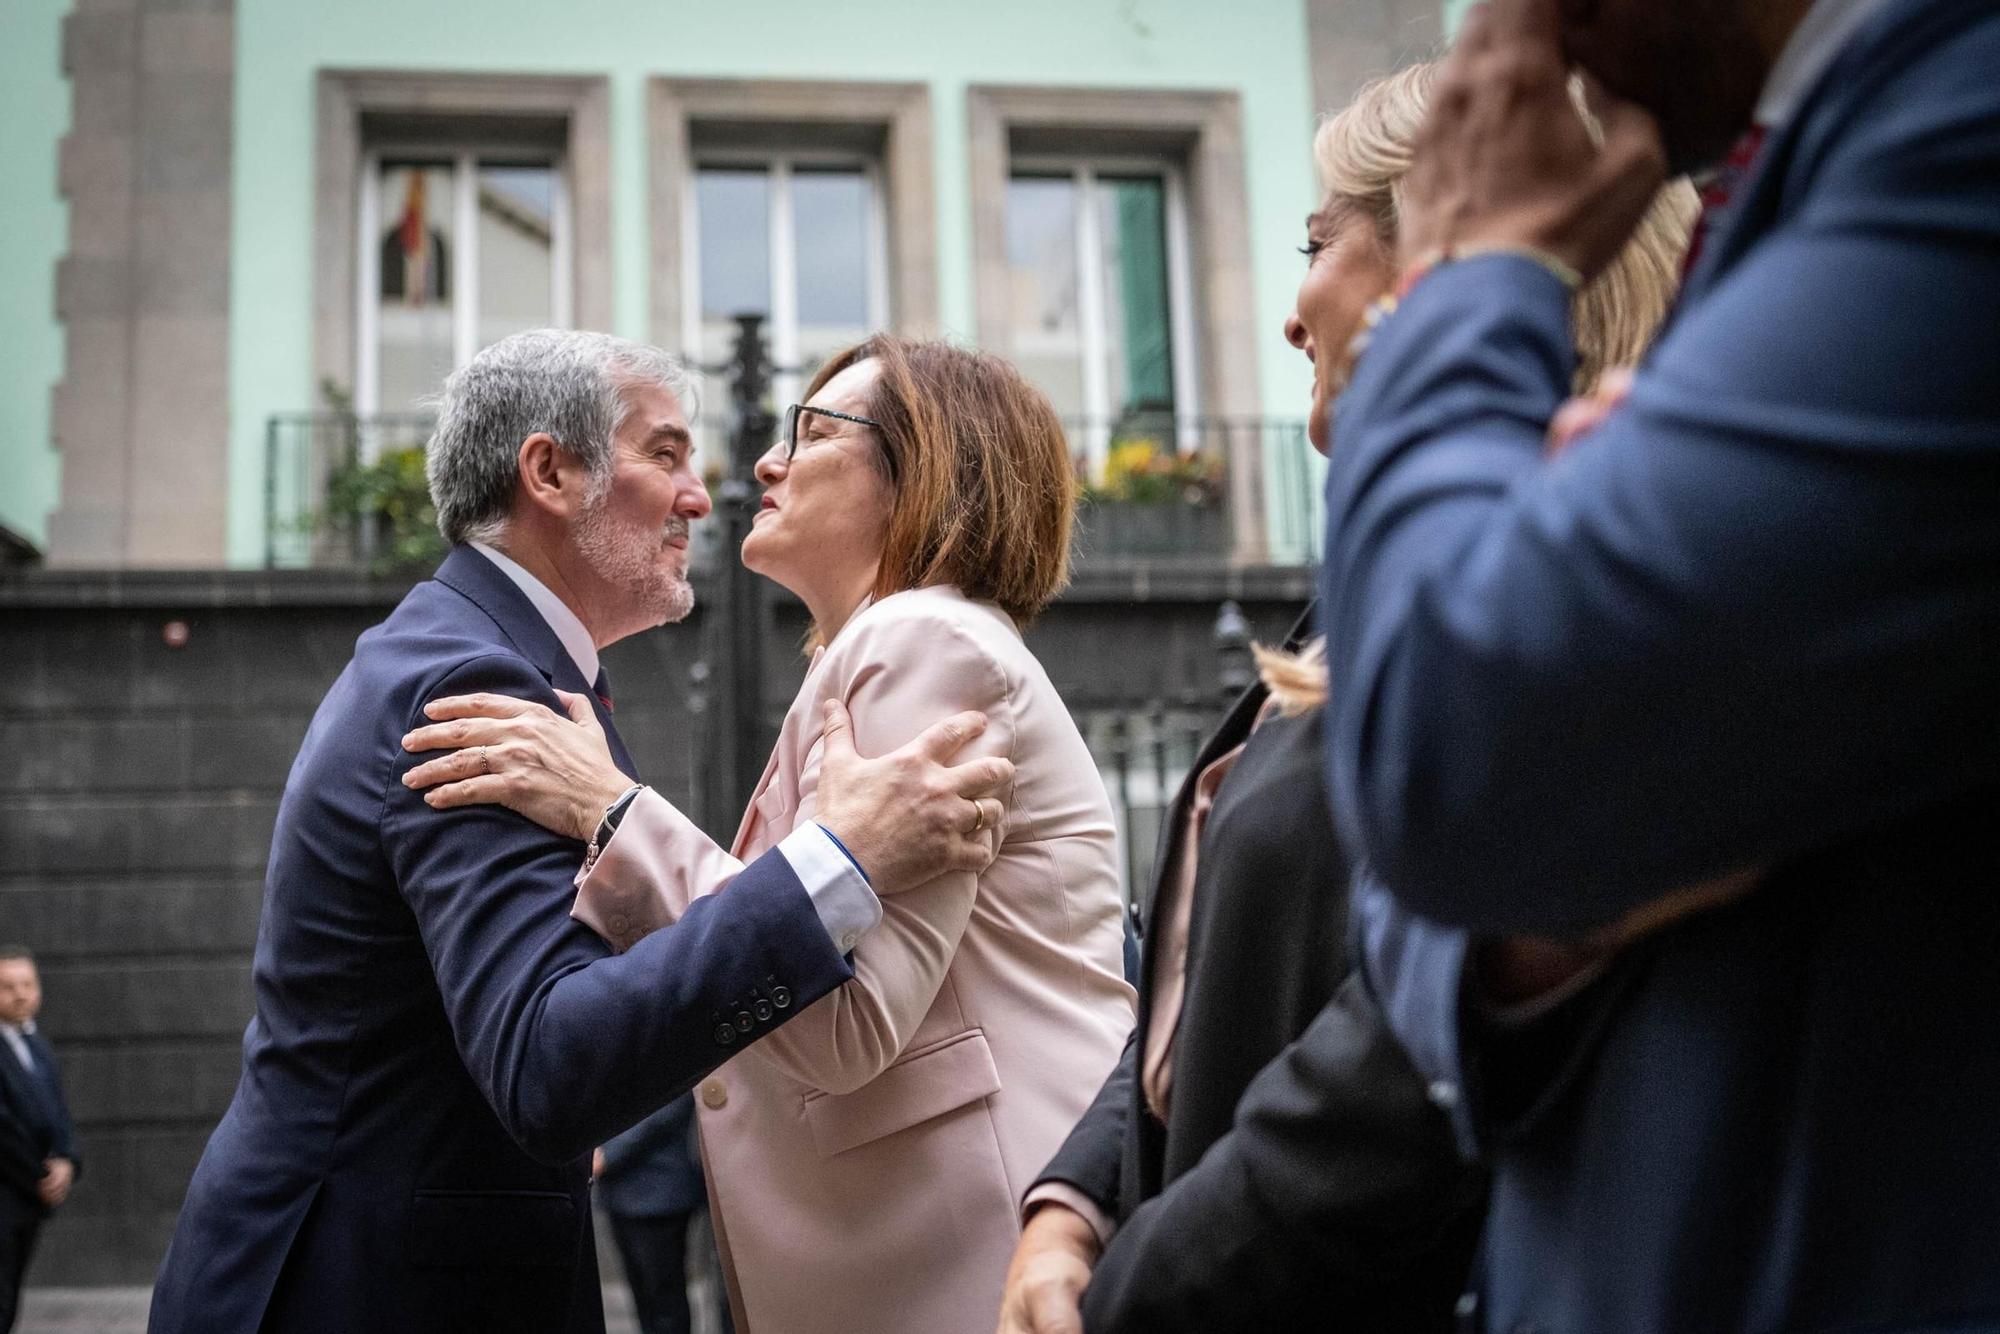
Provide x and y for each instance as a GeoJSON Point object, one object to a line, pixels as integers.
{"type": "Point", "coordinates": [123, 1311]}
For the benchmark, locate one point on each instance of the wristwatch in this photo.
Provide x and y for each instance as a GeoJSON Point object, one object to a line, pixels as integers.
{"type": "Point", "coordinates": [607, 824]}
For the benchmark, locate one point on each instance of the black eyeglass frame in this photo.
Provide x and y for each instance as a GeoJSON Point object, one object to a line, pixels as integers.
{"type": "Point", "coordinates": [791, 430]}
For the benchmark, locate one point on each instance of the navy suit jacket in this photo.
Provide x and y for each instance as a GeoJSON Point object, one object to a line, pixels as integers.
{"type": "Point", "coordinates": [1753, 621]}
{"type": "Point", "coordinates": [437, 1046]}
{"type": "Point", "coordinates": [35, 1126]}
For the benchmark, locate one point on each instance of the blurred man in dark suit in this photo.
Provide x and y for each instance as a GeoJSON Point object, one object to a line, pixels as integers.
{"type": "Point", "coordinates": [649, 1185]}
{"type": "Point", "coordinates": [38, 1159]}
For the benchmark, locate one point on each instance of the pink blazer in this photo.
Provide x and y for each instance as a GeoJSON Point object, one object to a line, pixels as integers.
{"type": "Point", "coordinates": [866, 1160]}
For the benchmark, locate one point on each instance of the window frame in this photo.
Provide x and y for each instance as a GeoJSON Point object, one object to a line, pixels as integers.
{"type": "Point", "coordinates": [363, 111]}
{"type": "Point", "coordinates": [464, 157]}
{"type": "Point", "coordinates": [1202, 131]}
{"type": "Point", "coordinates": [782, 319]}
{"type": "Point", "coordinates": [691, 120]}
{"type": "Point", "coordinates": [1093, 303]}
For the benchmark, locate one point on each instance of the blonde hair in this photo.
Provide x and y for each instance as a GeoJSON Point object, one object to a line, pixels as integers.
{"type": "Point", "coordinates": [984, 488]}
{"type": "Point", "coordinates": [1363, 153]}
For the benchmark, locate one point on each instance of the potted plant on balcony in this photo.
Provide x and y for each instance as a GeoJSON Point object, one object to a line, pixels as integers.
{"type": "Point", "coordinates": [375, 511]}
{"type": "Point", "coordinates": [387, 503]}
{"type": "Point", "coordinates": [1152, 500]}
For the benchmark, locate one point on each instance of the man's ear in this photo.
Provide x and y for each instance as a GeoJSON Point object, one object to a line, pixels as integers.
{"type": "Point", "coordinates": [552, 478]}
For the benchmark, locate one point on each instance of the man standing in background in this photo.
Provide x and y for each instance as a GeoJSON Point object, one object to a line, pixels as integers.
{"type": "Point", "coordinates": [38, 1160]}
{"type": "Point", "coordinates": [649, 1185]}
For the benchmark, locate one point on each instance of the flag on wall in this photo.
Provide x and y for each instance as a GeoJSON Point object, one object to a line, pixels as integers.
{"type": "Point", "coordinates": [414, 237]}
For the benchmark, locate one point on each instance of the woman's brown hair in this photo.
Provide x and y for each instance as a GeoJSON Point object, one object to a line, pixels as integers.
{"type": "Point", "coordinates": [984, 488]}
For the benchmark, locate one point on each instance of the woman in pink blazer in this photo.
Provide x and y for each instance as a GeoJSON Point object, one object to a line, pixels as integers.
{"type": "Point", "coordinates": [866, 1160]}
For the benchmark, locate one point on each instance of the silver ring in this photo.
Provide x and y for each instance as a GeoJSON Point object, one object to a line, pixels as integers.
{"type": "Point", "coordinates": [485, 761]}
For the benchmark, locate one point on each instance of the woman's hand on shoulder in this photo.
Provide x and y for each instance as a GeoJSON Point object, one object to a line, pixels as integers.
{"type": "Point", "coordinates": [556, 769]}
{"type": "Point", "coordinates": [911, 815]}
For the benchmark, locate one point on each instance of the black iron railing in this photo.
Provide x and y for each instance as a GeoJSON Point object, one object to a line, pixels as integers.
{"type": "Point", "coordinates": [348, 490]}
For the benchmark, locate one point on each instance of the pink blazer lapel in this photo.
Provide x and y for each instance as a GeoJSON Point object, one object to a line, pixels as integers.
{"type": "Point", "coordinates": [774, 805]}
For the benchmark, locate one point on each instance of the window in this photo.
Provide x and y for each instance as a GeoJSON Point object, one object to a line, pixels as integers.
{"type": "Point", "coordinates": [1111, 259]}
{"type": "Point", "coordinates": [451, 209]}
{"type": "Point", "coordinates": [1097, 270]}
{"type": "Point", "coordinates": [808, 202]}
{"type": "Point", "coordinates": [458, 250]}
{"type": "Point", "coordinates": [799, 239]}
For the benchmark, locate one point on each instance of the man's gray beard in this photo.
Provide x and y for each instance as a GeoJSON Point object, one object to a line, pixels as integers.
{"type": "Point", "coordinates": [627, 559]}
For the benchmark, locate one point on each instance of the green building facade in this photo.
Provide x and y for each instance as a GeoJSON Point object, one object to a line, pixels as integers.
{"type": "Point", "coordinates": [222, 218]}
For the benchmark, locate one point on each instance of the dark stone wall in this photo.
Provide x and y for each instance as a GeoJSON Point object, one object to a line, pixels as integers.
{"type": "Point", "coordinates": [139, 781]}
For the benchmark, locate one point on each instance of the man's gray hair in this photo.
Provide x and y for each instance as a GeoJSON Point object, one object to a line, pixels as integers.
{"type": "Point", "coordinates": [566, 383]}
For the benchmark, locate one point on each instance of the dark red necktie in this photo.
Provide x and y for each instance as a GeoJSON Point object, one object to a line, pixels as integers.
{"type": "Point", "coordinates": [1720, 188]}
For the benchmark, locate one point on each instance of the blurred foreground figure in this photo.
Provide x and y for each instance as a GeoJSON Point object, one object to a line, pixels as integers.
{"type": "Point", "coordinates": [1745, 632]}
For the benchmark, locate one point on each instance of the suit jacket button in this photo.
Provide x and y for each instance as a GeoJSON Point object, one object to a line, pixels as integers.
{"type": "Point", "coordinates": [714, 1095]}
{"type": "Point", "coordinates": [763, 1011]}
{"type": "Point", "coordinates": [1444, 1094]}
{"type": "Point", "coordinates": [724, 1034]}
{"type": "Point", "coordinates": [781, 997]}
{"type": "Point", "coordinates": [744, 1022]}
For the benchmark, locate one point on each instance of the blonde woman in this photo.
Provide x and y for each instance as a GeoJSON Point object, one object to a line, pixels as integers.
{"type": "Point", "coordinates": [1340, 1200]}
{"type": "Point", "coordinates": [866, 1160]}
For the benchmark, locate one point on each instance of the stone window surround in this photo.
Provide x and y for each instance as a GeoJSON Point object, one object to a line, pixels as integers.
{"type": "Point", "coordinates": [1203, 131]}
{"type": "Point", "coordinates": [892, 120]}
{"type": "Point", "coordinates": [348, 97]}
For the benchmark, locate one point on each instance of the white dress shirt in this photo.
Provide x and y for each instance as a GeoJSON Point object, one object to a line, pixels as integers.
{"type": "Point", "coordinates": [17, 1038]}
{"type": "Point", "coordinates": [847, 907]}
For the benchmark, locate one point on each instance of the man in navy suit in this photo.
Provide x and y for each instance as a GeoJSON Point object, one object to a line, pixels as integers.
{"type": "Point", "coordinates": [38, 1157]}
{"type": "Point", "coordinates": [1746, 631]}
{"type": "Point", "coordinates": [437, 1046]}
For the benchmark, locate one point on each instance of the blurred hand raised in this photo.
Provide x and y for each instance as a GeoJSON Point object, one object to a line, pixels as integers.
{"type": "Point", "coordinates": [1505, 161]}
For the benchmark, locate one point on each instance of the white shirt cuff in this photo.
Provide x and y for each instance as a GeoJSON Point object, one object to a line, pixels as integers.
{"type": "Point", "coordinates": [847, 908]}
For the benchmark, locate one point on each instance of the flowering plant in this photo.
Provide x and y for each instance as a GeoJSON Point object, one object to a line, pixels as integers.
{"type": "Point", "coordinates": [1138, 471]}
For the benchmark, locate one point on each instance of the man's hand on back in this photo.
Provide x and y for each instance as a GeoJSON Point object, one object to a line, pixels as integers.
{"type": "Point", "coordinates": [908, 817]}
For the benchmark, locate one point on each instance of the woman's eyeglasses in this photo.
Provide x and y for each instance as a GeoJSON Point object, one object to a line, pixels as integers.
{"type": "Point", "coordinates": [798, 410]}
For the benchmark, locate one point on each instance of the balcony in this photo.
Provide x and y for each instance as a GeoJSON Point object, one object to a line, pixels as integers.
{"type": "Point", "coordinates": [347, 491]}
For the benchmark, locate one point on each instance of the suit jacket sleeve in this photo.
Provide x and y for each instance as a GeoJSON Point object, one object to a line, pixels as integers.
{"type": "Point", "coordinates": [1337, 1180]}
{"type": "Point", "coordinates": [1755, 611]}
{"type": "Point", "coordinates": [897, 676]}
{"type": "Point", "coordinates": [20, 1158]}
{"type": "Point", "coordinates": [65, 1145]}
{"type": "Point", "coordinates": [1092, 1158]}
{"type": "Point", "coordinates": [569, 1044]}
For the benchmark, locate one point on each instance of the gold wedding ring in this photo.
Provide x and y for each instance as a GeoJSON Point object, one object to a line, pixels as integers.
{"type": "Point", "coordinates": [978, 817]}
